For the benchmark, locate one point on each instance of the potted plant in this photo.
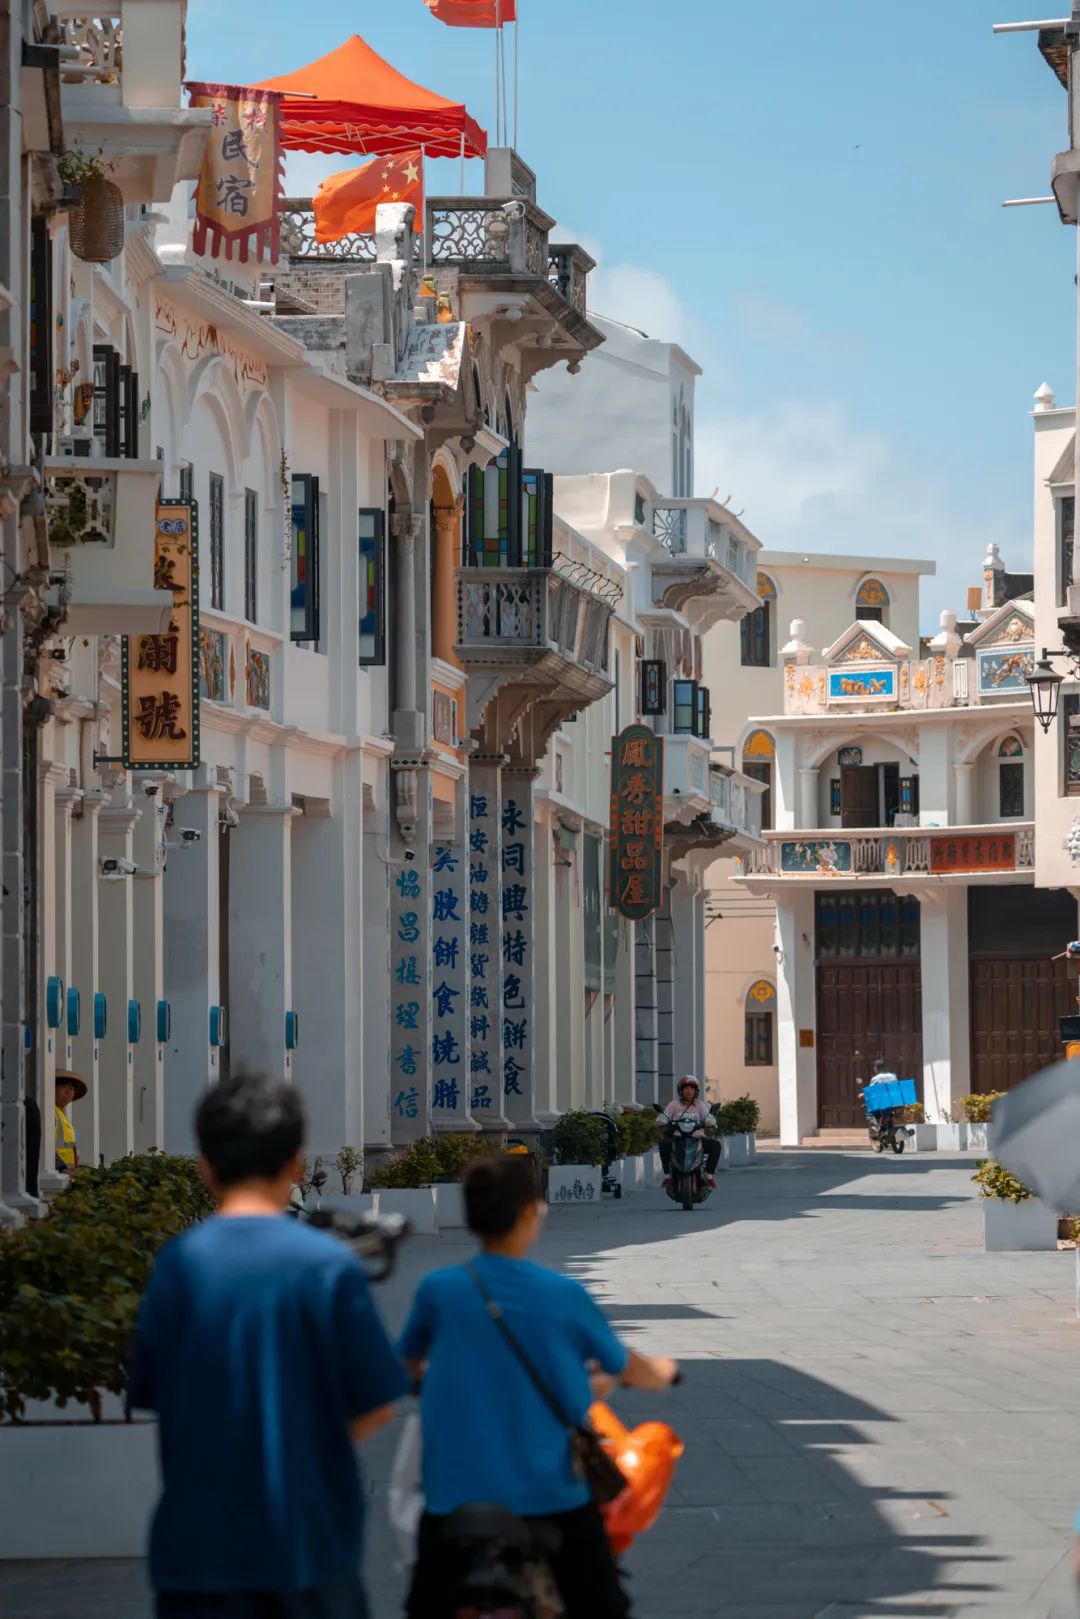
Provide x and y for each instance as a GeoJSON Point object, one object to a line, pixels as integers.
{"type": "Point", "coordinates": [1013, 1220]}
{"type": "Point", "coordinates": [454, 1152]}
{"type": "Point", "coordinates": [977, 1110]}
{"type": "Point", "coordinates": [348, 1166]}
{"type": "Point", "coordinates": [95, 206]}
{"type": "Point", "coordinates": [580, 1141]}
{"type": "Point", "coordinates": [405, 1185]}
{"type": "Point", "coordinates": [637, 1143]}
{"type": "Point", "coordinates": [737, 1123]}
{"type": "Point", "coordinates": [70, 1286]}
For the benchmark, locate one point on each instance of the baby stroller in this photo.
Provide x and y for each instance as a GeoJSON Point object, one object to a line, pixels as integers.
{"type": "Point", "coordinates": [611, 1152]}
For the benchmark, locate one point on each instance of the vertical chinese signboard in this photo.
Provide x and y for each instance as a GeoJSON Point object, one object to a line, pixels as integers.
{"type": "Point", "coordinates": [238, 198]}
{"type": "Point", "coordinates": [161, 672]}
{"type": "Point", "coordinates": [637, 822]}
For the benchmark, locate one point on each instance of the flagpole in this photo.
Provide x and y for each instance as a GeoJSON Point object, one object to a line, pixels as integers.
{"type": "Point", "coordinates": [461, 192]}
{"type": "Point", "coordinates": [506, 90]}
{"type": "Point", "coordinates": [498, 86]}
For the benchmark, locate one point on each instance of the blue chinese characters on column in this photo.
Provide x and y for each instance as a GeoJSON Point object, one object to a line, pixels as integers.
{"type": "Point", "coordinates": [407, 987]}
{"type": "Point", "coordinates": [516, 964]}
{"type": "Point", "coordinates": [484, 997]}
{"type": "Point", "coordinates": [449, 1058]}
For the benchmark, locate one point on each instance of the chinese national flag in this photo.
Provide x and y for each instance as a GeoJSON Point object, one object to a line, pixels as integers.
{"type": "Point", "coordinates": [345, 203]}
{"type": "Point", "coordinates": [473, 13]}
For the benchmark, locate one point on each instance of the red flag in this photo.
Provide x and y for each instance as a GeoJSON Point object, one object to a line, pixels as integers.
{"type": "Point", "coordinates": [473, 13]}
{"type": "Point", "coordinates": [345, 203]}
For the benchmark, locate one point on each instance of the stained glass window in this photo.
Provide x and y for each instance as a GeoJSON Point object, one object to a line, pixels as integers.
{"type": "Point", "coordinates": [372, 587]}
{"type": "Point", "coordinates": [304, 586]}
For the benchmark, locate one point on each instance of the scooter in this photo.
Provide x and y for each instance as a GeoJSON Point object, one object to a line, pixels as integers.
{"type": "Point", "coordinates": [884, 1098]}
{"type": "Point", "coordinates": [686, 1177]}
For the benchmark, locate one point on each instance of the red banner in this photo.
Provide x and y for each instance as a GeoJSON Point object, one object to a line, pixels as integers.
{"type": "Point", "coordinates": [473, 13]}
{"type": "Point", "coordinates": [241, 187]}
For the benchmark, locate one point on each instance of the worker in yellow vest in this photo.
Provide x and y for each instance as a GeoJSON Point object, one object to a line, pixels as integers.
{"type": "Point", "coordinates": [69, 1088]}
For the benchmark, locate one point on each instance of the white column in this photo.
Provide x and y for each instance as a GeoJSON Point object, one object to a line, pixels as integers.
{"type": "Point", "coordinates": [809, 814]}
{"type": "Point", "coordinates": [569, 1084]}
{"type": "Point", "coordinates": [946, 1016]}
{"type": "Point", "coordinates": [683, 981]}
{"type": "Point", "coordinates": [485, 945]}
{"type": "Point", "coordinates": [117, 916]}
{"type": "Point", "coordinates": [192, 982]}
{"type": "Point", "coordinates": [260, 941]}
{"type": "Point", "coordinates": [379, 961]}
{"type": "Point", "coordinates": [795, 1018]}
{"type": "Point", "coordinates": [934, 774]}
{"type": "Point", "coordinates": [517, 950]}
{"type": "Point", "coordinates": [85, 965]}
{"type": "Point", "coordinates": [623, 1087]}
{"type": "Point", "coordinates": [148, 1057]}
{"type": "Point", "coordinates": [410, 958]}
{"type": "Point", "coordinates": [66, 801]}
{"type": "Point", "coordinates": [646, 1021]}
{"type": "Point", "coordinates": [327, 982]}
{"type": "Point", "coordinates": [965, 774]}
{"type": "Point", "coordinates": [46, 1040]}
{"type": "Point", "coordinates": [450, 977]}
{"type": "Point", "coordinates": [547, 1001]}
{"type": "Point", "coordinates": [663, 955]}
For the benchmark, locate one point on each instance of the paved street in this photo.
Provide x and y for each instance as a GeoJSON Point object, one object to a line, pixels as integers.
{"type": "Point", "coordinates": [880, 1419]}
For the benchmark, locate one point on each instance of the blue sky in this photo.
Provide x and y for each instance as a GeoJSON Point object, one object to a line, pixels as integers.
{"type": "Point", "coordinates": [807, 197]}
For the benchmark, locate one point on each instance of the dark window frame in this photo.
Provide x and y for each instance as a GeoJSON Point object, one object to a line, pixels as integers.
{"type": "Point", "coordinates": [1070, 761]}
{"type": "Point", "coordinates": [687, 702]}
{"type": "Point", "coordinates": [762, 770]}
{"type": "Point", "coordinates": [1067, 525]}
{"type": "Point", "coordinates": [378, 523]}
{"type": "Point", "coordinates": [759, 1044]}
{"type": "Point", "coordinates": [251, 556]}
{"type": "Point", "coordinates": [653, 686]}
{"type": "Point", "coordinates": [187, 481]}
{"type": "Point", "coordinates": [703, 713]}
{"type": "Point", "coordinates": [106, 406]}
{"type": "Point", "coordinates": [216, 503]}
{"type": "Point", "coordinates": [41, 326]}
{"type": "Point", "coordinates": [128, 413]}
{"type": "Point", "coordinates": [1011, 789]}
{"type": "Point", "coordinates": [755, 638]}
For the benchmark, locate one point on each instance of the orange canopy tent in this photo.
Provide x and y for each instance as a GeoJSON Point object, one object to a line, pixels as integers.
{"type": "Point", "coordinates": [353, 101]}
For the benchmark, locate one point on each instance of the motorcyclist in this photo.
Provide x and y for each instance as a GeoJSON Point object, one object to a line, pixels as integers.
{"type": "Point", "coordinates": [689, 1104]}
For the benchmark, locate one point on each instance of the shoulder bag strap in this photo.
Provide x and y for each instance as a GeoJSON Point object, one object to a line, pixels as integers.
{"type": "Point", "coordinates": [523, 1358]}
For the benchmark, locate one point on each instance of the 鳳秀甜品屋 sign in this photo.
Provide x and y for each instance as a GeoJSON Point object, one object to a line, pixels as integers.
{"type": "Point", "coordinates": [160, 673]}
{"type": "Point", "coordinates": [635, 880]}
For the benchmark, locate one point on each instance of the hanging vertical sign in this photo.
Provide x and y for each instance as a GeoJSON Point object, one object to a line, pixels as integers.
{"type": "Point", "coordinates": [637, 822]}
{"type": "Point", "coordinates": [449, 1060]}
{"type": "Point", "coordinates": [160, 673]}
{"type": "Point", "coordinates": [516, 903]}
{"type": "Point", "coordinates": [239, 195]}
{"type": "Point", "coordinates": [485, 995]}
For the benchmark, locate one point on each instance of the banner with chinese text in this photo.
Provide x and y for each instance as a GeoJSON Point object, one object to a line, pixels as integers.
{"type": "Point", "coordinates": [241, 186]}
{"type": "Point", "coordinates": [637, 822]}
{"type": "Point", "coordinates": [161, 672]}
{"type": "Point", "coordinates": [994, 853]}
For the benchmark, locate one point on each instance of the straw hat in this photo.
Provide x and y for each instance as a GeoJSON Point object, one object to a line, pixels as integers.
{"type": "Point", "coordinates": [77, 1080]}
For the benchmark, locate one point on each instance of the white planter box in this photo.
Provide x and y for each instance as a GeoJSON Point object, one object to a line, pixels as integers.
{"type": "Point", "coordinates": [633, 1174]}
{"type": "Point", "coordinates": [738, 1156]}
{"type": "Point", "coordinates": [751, 1146]}
{"type": "Point", "coordinates": [1026, 1227]}
{"type": "Point", "coordinates": [925, 1138]}
{"type": "Point", "coordinates": [350, 1202]}
{"type": "Point", "coordinates": [976, 1137]}
{"type": "Point", "coordinates": [951, 1137]}
{"type": "Point", "coordinates": [570, 1185]}
{"type": "Point", "coordinates": [77, 1489]}
{"type": "Point", "coordinates": [417, 1204]}
{"type": "Point", "coordinates": [651, 1170]}
{"type": "Point", "coordinates": [450, 1206]}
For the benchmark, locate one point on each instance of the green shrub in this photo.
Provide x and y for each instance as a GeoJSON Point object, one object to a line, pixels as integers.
{"type": "Point", "coordinates": [70, 1284]}
{"type": "Point", "coordinates": [976, 1109]}
{"type": "Point", "coordinates": [637, 1133]}
{"type": "Point", "coordinates": [735, 1118]}
{"type": "Point", "coordinates": [427, 1162]}
{"type": "Point", "coordinates": [914, 1113]}
{"type": "Point", "coordinates": [580, 1138]}
{"type": "Point", "coordinates": [995, 1181]}
{"type": "Point", "coordinates": [349, 1163]}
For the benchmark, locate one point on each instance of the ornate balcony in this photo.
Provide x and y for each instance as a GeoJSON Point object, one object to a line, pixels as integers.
{"type": "Point", "coordinates": [121, 93]}
{"type": "Point", "coordinates": [530, 640]}
{"type": "Point", "coordinates": [101, 521]}
{"type": "Point", "coordinates": [909, 855]}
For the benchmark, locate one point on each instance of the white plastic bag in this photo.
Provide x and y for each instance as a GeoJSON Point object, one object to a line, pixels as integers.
{"type": "Point", "coordinates": [406, 1496]}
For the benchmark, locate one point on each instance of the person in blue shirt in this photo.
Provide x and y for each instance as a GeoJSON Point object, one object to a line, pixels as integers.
{"type": "Point", "coordinates": [260, 1349]}
{"type": "Point", "coordinates": [487, 1433]}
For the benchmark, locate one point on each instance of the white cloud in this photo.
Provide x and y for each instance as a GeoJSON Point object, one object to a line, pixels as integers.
{"type": "Point", "coordinates": [644, 298]}
{"type": "Point", "coordinates": [769, 319]}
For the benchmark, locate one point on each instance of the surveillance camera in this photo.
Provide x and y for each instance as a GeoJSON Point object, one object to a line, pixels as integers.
{"type": "Point", "coordinates": [150, 788]}
{"type": "Point", "coordinates": [190, 834]}
{"type": "Point", "coordinates": [409, 855]}
{"type": "Point", "coordinates": [118, 867]}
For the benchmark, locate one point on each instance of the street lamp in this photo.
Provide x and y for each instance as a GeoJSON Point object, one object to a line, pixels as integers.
{"type": "Point", "coordinates": [1044, 683]}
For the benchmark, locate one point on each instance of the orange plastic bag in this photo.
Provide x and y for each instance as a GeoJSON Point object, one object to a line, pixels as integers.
{"type": "Point", "coordinates": [646, 1456]}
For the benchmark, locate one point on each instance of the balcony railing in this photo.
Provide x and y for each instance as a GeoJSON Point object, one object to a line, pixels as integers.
{"type": "Point", "coordinates": [685, 528]}
{"type": "Point", "coordinates": [512, 611]}
{"type": "Point", "coordinates": [669, 527]}
{"type": "Point", "coordinates": [464, 233]}
{"type": "Point", "coordinates": [900, 852]}
{"type": "Point", "coordinates": [734, 802]}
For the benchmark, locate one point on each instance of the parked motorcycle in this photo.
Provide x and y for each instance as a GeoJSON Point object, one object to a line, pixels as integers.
{"type": "Point", "coordinates": [686, 1177]}
{"type": "Point", "coordinates": [884, 1099]}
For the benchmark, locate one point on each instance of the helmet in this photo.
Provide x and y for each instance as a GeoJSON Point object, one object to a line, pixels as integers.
{"type": "Point", "coordinates": [692, 1080]}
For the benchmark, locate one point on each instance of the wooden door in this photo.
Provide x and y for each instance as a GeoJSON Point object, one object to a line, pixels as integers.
{"type": "Point", "coordinates": [859, 796]}
{"type": "Point", "coordinates": [865, 1010]}
{"type": "Point", "coordinates": [1015, 1006]}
